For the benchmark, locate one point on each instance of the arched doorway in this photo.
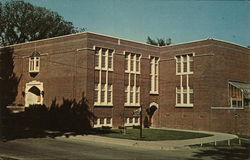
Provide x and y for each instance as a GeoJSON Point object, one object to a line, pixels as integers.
{"type": "Point", "coordinates": [153, 108]}
{"type": "Point", "coordinates": [33, 93]}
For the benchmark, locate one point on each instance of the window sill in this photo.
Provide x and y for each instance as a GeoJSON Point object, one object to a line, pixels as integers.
{"type": "Point", "coordinates": [33, 71]}
{"type": "Point", "coordinates": [184, 73]}
{"type": "Point", "coordinates": [102, 125]}
{"type": "Point", "coordinates": [103, 69]}
{"type": "Point", "coordinates": [131, 124]}
{"type": "Point", "coordinates": [133, 72]}
{"type": "Point", "coordinates": [184, 105]}
{"type": "Point", "coordinates": [132, 105]}
{"type": "Point", "coordinates": [102, 105]}
{"type": "Point", "coordinates": [154, 93]}
{"type": "Point", "coordinates": [227, 108]}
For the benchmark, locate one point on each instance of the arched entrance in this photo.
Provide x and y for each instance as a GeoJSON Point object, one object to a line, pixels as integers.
{"type": "Point", "coordinates": [33, 93]}
{"type": "Point", "coordinates": [153, 108]}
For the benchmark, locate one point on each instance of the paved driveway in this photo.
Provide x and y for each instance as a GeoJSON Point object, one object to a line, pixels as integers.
{"type": "Point", "coordinates": [69, 148]}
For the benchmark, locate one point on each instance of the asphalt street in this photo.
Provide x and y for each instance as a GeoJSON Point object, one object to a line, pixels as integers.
{"type": "Point", "coordinates": [67, 148]}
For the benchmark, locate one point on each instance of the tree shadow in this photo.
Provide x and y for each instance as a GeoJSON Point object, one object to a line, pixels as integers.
{"type": "Point", "coordinates": [8, 82]}
{"type": "Point", "coordinates": [223, 153]}
{"type": "Point", "coordinates": [38, 121]}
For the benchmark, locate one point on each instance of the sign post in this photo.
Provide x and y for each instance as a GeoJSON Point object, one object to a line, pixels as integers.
{"type": "Point", "coordinates": [138, 113]}
{"type": "Point", "coordinates": [140, 121]}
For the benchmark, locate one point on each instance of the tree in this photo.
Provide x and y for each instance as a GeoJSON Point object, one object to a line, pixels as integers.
{"type": "Point", "coordinates": [8, 79]}
{"type": "Point", "coordinates": [21, 22]}
{"type": "Point", "coordinates": [159, 41]}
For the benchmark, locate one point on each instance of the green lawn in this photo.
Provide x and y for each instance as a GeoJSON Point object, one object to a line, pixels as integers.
{"type": "Point", "coordinates": [152, 134]}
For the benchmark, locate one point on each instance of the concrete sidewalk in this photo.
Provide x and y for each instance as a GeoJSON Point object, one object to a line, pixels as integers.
{"type": "Point", "coordinates": [166, 145]}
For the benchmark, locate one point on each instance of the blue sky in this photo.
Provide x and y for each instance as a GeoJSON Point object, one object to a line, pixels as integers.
{"type": "Point", "coordinates": [179, 20]}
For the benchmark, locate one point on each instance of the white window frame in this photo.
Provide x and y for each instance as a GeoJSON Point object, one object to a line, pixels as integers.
{"type": "Point", "coordinates": [109, 53]}
{"type": "Point", "coordinates": [98, 124]}
{"type": "Point", "coordinates": [135, 62]}
{"type": "Point", "coordinates": [127, 121]}
{"type": "Point", "coordinates": [154, 74]}
{"type": "Point", "coordinates": [106, 90]}
{"type": "Point", "coordinates": [132, 91]}
{"type": "Point", "coordinates": [182, 63]}
{"type": "Point", "coordinates": [183, 91]}
{"type": "Point", "coordinates": [98, 53]}
{"type": "Point", "coordinates": [33, 61]}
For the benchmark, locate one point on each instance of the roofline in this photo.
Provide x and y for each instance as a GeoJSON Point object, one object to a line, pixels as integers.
{"type": "Point", "coordinates": [122, 39]}
{"type": "Point", "coordinates": [214, 39]}
{"type": "Point", "coordinates": [68, 35]}
{"type": "Point", "coordinates": [45, 39]}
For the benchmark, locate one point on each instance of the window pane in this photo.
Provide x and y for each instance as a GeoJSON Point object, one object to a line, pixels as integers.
{"type": "Point", "coordinates": [191, 98]}
{"type": "Point", "coordinates": [156, 83]}
{"type": "Point", "coordinates": [96, 60]}
{"type": "Point", "coordinates": [184, 66]}
{"type": "Point", "coordinates": [109, 96]}
{"type": "Point", "coordinates": [137, 63]}
{"type": "Point", "coordinates": [178, 67]}
{"type": "Point", "coordinates": [109, 62]}
{"type": "Point", "coordinates": [108, 120]}
{"type": "Point", "coordinates": [136, 119]}
{"type": "Point", "coordinates": [132, 63]}
{"type": "Point", "coordinates": [137, 66]}
{"type": "Point", "coordinates": [101, 120]}
{"type": "Point", "coordinates": [103, 57]}
{"type": "Point", "coordinates": [185, 98]}
{"type": "Point", "coordinates": [103, 93]}
{"type": "Point", "coordinates": [191, 64]}
{"type": "Point", "coordinates": [95, 121]}
{"type": "Point", "coordinates": [97, 57]}
{"type": "Point", "coordinates": [137, 97]}
{"type": "Point", "coordinates": [126, 94]}
{"type": "Point", "coordinates": [131, 95]}
{"type": "Point", "coordinates": [96, 93]}
{"type": "Point", "coordinates": [178, 98]}
{"type": "Point", "coordinates": [152, 82]}
{"type": "Point", "coordinates": [110, 57]}
{"type": "Point", "coordinates": [156, 69]}
{"type": "Point", "coordinates": [130, 120]}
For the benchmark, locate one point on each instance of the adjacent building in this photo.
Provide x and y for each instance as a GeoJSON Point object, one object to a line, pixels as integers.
{"type": "Point", "coordinates": [201, 85]}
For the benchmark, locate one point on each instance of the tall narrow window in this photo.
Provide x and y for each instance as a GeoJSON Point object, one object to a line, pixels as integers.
{"type": "Point", "coordinates": [104, 68]}
{"type": "Point", "coordinates": [184, 69]}
{"type": "Point", "coordinates": [132, 69]}
{"type": "Point", "coordinates": [154, 74]}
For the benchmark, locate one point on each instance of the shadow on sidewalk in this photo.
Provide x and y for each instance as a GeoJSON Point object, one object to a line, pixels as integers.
{"type": "Point", "coordinates": [223, 153]}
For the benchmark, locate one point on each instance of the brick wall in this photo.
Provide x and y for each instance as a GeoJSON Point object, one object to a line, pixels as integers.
{"type": "Point", "coordinates": [67, 71]}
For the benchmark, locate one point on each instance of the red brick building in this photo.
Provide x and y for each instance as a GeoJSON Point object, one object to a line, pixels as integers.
{"type": "Point", "coordinates": [201, 85]}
